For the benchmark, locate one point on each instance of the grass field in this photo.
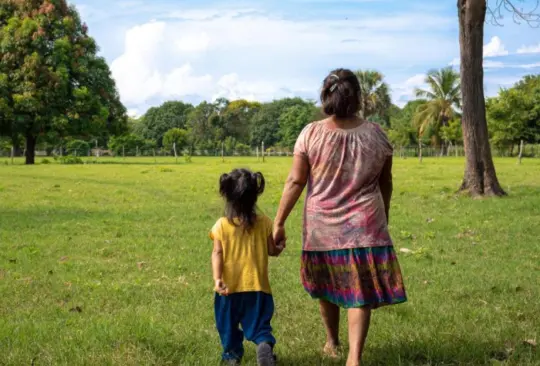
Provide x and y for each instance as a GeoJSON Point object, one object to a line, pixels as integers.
{"type": "Point", "coordinates": [110, 265]}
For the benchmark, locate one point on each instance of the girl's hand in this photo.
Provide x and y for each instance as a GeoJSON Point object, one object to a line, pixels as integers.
{"type": "Point", "coordinates": [280, 238]}
{"type": "Point", "coordinates": [221, 288]}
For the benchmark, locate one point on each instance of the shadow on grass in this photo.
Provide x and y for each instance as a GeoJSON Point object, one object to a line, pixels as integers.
{"type": "Point", "coordinates": [432, 352]}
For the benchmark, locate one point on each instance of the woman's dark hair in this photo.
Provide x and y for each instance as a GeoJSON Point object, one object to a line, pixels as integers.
{"type": "Point", "coordinates": [340, 95]}
{"type": "Point", "coordinates": [241, 188]}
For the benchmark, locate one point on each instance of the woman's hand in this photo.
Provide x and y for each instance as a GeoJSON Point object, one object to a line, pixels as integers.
{"type": "Point", "coordinates": [280, 238]}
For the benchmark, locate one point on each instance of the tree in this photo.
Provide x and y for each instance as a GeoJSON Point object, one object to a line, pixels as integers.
{"type": "Point", "coordinates": [51, 79]}
{"type": "Point", "coordinates": [158, 120]}
{"type": "Point", "coordinates": [402, 132]}
{"type": "Point", "coordinates": [452, 133]}
{"type": "Point", "coordinates": [78, 147]}
{"type": "Point", "coordinates": [443, 98]}
{"type": "Point", "coordinates": [480, 177]}
{"type": "Point", "coordinates": [514, 115]}
{"type": "Point", "coordinates": [265, 123]}
{"type": "Point", "coordinates": [293, 120]}
{"type": "Point", "coordinates": [374, 94]}
{"type": "Point", "coordinates": [130, 143]}
{"type": "Point", "coordinates": [175, 137]}
{"type": "Point", "coordinates": [237, 118]}
{"type": "Point", "coordinates": [204, 126]}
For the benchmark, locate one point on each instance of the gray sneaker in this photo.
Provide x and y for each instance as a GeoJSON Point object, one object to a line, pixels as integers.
{"type": "Point", "coordinates": [265, 355]}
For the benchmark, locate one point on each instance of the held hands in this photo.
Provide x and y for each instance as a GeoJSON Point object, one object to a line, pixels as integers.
{"type": "Point", "coordinates": [280, 238]}
{"type": "Point", "coordinates": [221, 287]}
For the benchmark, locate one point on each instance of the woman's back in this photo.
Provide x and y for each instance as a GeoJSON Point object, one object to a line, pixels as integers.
{"type": "Point", "coordinates": [343, 194]}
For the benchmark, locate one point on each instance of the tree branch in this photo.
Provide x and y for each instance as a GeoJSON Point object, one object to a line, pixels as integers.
{"type": "Point", "coordinates": [496, 8]}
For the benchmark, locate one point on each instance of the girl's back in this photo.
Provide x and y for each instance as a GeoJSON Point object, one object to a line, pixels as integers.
{"type": "Point", "coordinates": [245, 254]}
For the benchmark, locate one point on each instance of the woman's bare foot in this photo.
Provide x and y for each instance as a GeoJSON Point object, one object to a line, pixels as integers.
{"type": "Point", "coordinates": [332, 350]}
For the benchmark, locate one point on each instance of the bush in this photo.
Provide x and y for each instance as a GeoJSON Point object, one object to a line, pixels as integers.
{"type": "Point", "coordinates": [45, 161]}
{"type": "Point", "coordinates": [243, 149]}
{"type": "Point", "coordinates": [82, 147]}
{"type": "Point", "coordinates": [69, 159]}
{"type": "Point", "coordinates": [187, 158]}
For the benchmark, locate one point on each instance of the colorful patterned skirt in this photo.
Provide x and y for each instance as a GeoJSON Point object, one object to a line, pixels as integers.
{"type": "Point", "coordinates": [353, 278]}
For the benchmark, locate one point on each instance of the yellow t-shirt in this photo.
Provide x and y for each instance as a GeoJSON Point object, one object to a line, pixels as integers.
{"type": "Point", "coordinates": [245, 254]}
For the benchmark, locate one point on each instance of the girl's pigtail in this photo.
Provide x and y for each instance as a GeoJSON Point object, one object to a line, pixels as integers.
{"type": "Point", "coordinates": [224, 185]}
{"type": "Point", "coordinates": [260, 183]}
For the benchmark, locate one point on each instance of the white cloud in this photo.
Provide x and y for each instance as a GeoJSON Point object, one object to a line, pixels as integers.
{"type": "Point", "coordinates": [133, 112]}
{"type": "Point", "coordinates": [404, 92]}
{"type": "Point", "coordinates": [197, 42]}
{"type": "Point", "coordinates": [489, 64]}
{"type": "Point", "coordinates": [495, 48]}
{"type": "Point", "coordinates": [182, 81]}
{"type": "Point", "coordinates": [136, 77]}
{"type": "Point", "coordinates": [455, 62]}
{"type": "Point", "coordinates": [530, 66]}
{"type": "Point", "coordinates": [209, 53]}
{"type": "Point", "coordinates": [529, 49]}
{"type": "Point", "coordinates": [209, 14]}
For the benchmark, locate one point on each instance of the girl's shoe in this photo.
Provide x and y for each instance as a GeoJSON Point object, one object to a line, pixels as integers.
{"type": "Point", "coordinates": [265, 355]}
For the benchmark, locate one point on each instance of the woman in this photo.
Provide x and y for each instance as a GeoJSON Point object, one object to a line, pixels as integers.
{"type": "Point", "coordinates": [348, 259]}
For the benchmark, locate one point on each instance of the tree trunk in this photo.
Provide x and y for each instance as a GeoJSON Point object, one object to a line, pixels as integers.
{"type": "Point", "coordinates": [30, 151]}
{"type": "Point", "coordinates": [480, 177]}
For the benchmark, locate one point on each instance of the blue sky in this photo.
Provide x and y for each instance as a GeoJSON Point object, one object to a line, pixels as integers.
{"type": "Point", "coordinates": [200, 50]}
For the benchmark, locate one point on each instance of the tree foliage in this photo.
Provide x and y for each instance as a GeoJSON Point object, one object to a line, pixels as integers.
{"type": "Point", "coordinates": [158, 120]}
{"type": "Point", "coordinates": [514, 115]}
{"type": "Point", "coordinates": [443, 99]}
{"type": "Point", "coordinates": [375, 97]}
{"type": "Point", "coordinates": [51, 80]}
{"type": "Point", "coordinates": [175, 137]}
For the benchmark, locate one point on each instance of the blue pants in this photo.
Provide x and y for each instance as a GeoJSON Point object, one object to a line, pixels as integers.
{"type": "Point", "coordinates": [253, 311]}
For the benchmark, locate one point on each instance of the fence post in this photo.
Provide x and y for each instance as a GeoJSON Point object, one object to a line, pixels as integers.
{"type": "Point", "coordinates": [155, 160]}
{"type": "Point", "coordinates": [222, 152]}
{"type": "Point", "coordinates": [137, 150]}
{"type": "Point", "coordinates": [175, 155]}
{"type": "Point", "coordinates": [262, 151]}
{"type": "Point", "coordinates": [12, 154]}
{"type": "Point", "coordinates": [520, 156]}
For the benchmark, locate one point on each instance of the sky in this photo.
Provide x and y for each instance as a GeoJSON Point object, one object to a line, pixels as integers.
{"type": "Point", "coordinates": [195, 50]}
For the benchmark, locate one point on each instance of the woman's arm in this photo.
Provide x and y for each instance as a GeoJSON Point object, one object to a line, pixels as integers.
{"type": "Point", "coordinates": [386, 185]}
{"type": "Point", "coordinates": [294, 186]}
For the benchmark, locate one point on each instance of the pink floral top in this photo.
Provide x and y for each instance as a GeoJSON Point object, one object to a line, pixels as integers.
{"type": "Point", "coordinates": [344, 207]}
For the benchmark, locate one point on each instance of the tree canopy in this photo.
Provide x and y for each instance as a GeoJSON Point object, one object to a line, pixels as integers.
{"type": "Point", "coordinates": [51, 80]}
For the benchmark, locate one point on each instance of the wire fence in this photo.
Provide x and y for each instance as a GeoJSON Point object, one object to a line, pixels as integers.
{"type": "Point", "coordinates": [104, 155]}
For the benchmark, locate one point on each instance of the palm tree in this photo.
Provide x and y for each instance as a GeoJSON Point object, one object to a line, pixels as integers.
{"type": "Point", "coordinates": [375, 94]}
{"type": "Point", "coordinates": [443, 100]}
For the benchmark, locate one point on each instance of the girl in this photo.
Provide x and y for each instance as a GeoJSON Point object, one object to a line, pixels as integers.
{"type": "Point", "coordinates": [242, 243]}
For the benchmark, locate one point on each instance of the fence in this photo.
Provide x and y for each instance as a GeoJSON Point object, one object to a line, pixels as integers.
{"type": "Point", "coordinates": [530, 151]}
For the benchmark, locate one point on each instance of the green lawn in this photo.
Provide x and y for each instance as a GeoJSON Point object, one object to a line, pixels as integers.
{"type": "Point", "coordinates": [110, 265]}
